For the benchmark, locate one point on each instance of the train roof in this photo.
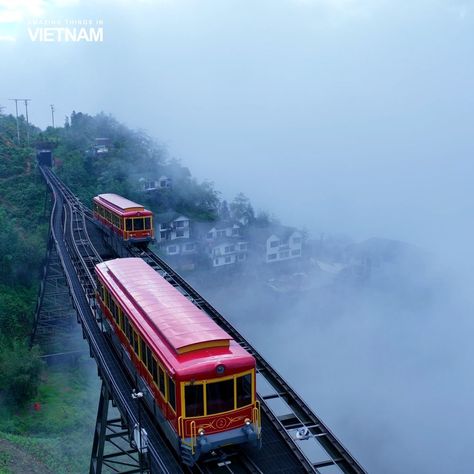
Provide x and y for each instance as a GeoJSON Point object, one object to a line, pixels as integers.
{"type": "Point", "coordinates": [172, 325]}
{"type": "Point", "coordinates": [119, 203]}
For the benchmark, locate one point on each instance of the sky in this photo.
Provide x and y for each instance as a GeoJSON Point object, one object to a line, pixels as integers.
{"type": "Point", "coordinates": [350, 116]}
{"type": "Point", "coordinates": [339, 116]}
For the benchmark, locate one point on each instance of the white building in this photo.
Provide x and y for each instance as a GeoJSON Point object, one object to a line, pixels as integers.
{"type": "Point", "coordinates": [223, 230]}
{"type": "Point", "coordinates": [228, 252]}
{"type": "Point", "coordinates": [172, 226]}
{"type": "Point", "coordinates": [283, 245]}
{"type": "Point", "coordinates": [180, 247]}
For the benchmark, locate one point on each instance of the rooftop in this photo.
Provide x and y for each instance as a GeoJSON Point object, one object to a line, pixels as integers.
{"type": "Point", "coordinates": [120, 202]}
{"type": "Point", "coordinates": [184, 326]}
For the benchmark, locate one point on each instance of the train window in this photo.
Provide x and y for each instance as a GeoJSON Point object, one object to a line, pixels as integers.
{"type": "Point", "coordinates": [128, 330]}
{"type": "Point", "coordinates": [161, 380]}
{"type": "Point", "coordinates": [138, 223]}
{"type": "Point", "coordinates": [121, 223]}
{"type": "Point", "coordinates": [121, 320]}
{"type": "Point", "coordinates": [100, 290]}
{"type": "Point", "coordinates": [143, 351]}
{"type": "Point", "coordinates": [149, 360]}
{"type": "Point", "coordinates": [220, 396]}
{"type": "Point", "coordinates": [171, 393]}
{"type": "Point", "coordinates": [128, 224]}
{"type": "Point", "coordinates": [244, 390]}
{"type": "Point", "coordinates": [113, 308]}
{"type": "Point", "coordinates": [135, 342]}
{"type": "Point", "coordinates": [194, 400]}
{"type": "Point", "coordinates": [154, 370]}
{"type": "Point", "coordinates": [147, 223]}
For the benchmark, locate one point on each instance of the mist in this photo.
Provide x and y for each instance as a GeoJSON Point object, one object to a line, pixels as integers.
{"type": "Point", "coordinates": [337, 116]}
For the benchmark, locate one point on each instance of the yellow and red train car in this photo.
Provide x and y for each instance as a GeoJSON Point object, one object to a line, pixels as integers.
{"type": "Point", "coordinates": [130, 221]}
{"type": "Point", "coordinates": [198, 381]}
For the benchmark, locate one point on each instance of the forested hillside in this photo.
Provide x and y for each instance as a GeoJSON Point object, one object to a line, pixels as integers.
{"type": "Point", "coordinates": [132, 156]}
{"type": "Point", "coordinates": [24, 224]}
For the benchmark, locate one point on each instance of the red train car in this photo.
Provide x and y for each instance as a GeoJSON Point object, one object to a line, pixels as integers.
{"type": "Point", "coordinates": [130, 221]}
{"type": "Point", "coordinates": [198, 381]}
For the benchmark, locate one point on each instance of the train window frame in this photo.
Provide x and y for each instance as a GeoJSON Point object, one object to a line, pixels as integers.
{"type": "Point", "coordinates": [140, 228]}
{"type": "Point", "coordinates": [136, 342]}
{"type": "Point", "coordinates": [233, 377]}
{"type": "Point", "coordinates": [162, 372]}
{"type": "Point", "coordinates": [121, 320]}
{"type": "Point", "coordinates": [149, 358]}
{"type": "Point", "coordinates": [223, 400]}
{"type": "Point", "coordinates": [184, 398]}
{"type": "Point", "coordinates": [241, 376]}
{"type": "Point", "coordinates": [154, 372]}
{"type": "Point", "coordinates": [143, 351]}
{"type": "Point", "coordinates": [169, 392]}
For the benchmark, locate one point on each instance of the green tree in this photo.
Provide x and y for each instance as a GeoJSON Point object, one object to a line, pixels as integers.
{"type": "Point", "coordinates": [20, 370]}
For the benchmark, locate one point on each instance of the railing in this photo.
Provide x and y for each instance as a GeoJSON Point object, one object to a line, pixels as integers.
{"type": "Point", "coordinates": [193, 428]}
{"type": "Point", "coordinates": [256, 419]}
{"type": "Point", "coordinates": [193, 433]}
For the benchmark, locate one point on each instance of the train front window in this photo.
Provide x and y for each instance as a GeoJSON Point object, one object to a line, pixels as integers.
{"type": "Point", "coordinates": [128, 225]}
{"type": "Point", "coordinates": [244, 390]}
{"type": "Point", "coordinates": [194, 400]}
{"type": "Point", "coordinates": [220, 396]}
{"type": "Point", "coordinates": [147, 223]}
{"type": "Point", "coordinates": [138, 224]}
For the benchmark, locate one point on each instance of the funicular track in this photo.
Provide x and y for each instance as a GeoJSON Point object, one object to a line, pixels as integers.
{"type": "Point", "coordinates": [74, 252]}
{"type": "Point", "coordinates": [283, 434]}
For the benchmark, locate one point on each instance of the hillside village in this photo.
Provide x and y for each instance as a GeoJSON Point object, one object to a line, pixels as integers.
{"type": "Point", "coordinates": [234, 240]}
{"type": "Point", "coordinates": [230, 239]}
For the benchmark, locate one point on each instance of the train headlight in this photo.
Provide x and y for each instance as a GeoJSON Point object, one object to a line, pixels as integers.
{"type": "Point", "coordinates": [220, 369]}
{"type": "Point", "coordinates": [247, 421]}
{"type": "Point", "coordinates": [201, 431]}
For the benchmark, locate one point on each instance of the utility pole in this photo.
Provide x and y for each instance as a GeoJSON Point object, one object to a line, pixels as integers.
{"type": "Point", "coordinates": [27, 122]}
{"type": "Point", "coordinates": [52, 113]}
{"type": "Point", "coordinates": [17, 124]}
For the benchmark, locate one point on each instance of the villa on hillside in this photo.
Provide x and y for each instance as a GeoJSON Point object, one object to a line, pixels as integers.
{"type": "Point", "coordinates": [276, 243]}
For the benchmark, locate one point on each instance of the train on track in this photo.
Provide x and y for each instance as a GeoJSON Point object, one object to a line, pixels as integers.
{"type": "Point", "coordinates": [197, 381]}
{"type": "Point", "coordinates": [129, 221]}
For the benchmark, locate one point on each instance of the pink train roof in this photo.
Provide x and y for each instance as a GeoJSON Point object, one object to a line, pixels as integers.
{"type": "Point", "coordinates": [184, 326]}
{"type": "Point", "coordinates": [119, 202]}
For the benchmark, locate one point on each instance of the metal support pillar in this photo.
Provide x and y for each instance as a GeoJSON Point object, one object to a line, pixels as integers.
{"type": "Point", "coordinates": [55, 328]}
{"type": "Point", "coordinates": [112, 448]}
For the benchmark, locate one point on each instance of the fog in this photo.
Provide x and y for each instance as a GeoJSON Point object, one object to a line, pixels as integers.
{"type": "Point", "coordinates": [338, 116]}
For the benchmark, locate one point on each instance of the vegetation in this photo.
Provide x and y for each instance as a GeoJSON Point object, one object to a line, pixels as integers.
{"type": "Point", "coordinates": [22, 247]}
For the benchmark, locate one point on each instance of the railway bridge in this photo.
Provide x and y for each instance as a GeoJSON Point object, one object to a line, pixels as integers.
{"type": "Point", "coordinates": [126, 439]}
